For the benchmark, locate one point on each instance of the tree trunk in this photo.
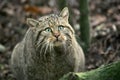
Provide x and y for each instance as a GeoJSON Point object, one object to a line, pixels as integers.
{"type": "Point", "coordinates": [84, 24]}
{"type": "Point", "coordinates": [107, 72]}
{"type": "Point", "coordinates": [61, 4]}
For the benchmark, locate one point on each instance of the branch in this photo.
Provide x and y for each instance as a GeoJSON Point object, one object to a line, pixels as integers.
{"type": "Point", "coordinates": [107, 72]}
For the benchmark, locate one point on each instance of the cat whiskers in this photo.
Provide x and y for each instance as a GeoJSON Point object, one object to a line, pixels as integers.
{"type": "Point", "coordinates": [46, 48]}
{"type": "Point", "coordinates": [42, 48]}
{"type": "Point", "coordinates": [51, 47]}
{"type": "Point", "coordinates": [38, 44]}
{"type": "Point", "coordinates": [64, 46]}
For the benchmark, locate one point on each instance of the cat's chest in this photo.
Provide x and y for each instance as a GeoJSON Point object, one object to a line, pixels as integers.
{"type": "Point", "coordinates": [61, 66]}
{"type": "Point", "coordinates": [52, 68]}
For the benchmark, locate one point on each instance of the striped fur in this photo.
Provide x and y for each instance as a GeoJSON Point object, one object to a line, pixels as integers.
{"type": "Point", "coordinates": [48, 51]}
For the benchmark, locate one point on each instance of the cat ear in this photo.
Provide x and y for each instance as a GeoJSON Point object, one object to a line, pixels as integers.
{"type": "Point", "coordinates": [32, 22]}
{"type": "Point", "coordinates": [65, 13]}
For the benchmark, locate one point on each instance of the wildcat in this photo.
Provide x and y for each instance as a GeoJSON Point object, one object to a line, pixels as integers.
{"type": "Point", "coordinates": [48, 50]}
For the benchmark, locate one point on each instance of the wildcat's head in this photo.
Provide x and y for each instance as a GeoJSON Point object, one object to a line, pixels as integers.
{"type": "Point", "coordinates": [52, 30]}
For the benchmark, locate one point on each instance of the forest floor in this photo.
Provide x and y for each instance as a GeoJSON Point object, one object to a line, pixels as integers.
{"type": "Point", "coordinates": [104, 21]}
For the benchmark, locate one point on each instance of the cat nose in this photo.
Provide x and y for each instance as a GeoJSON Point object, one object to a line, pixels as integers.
{"type": "Point", "coordinates": [56, 34]}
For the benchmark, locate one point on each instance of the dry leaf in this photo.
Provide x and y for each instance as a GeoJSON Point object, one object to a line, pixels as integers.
{"type": "Point", "coordinates": [37, 10]}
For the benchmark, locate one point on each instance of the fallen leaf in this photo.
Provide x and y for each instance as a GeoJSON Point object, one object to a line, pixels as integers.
{"type": "Point", "coordinates": [37, 9]}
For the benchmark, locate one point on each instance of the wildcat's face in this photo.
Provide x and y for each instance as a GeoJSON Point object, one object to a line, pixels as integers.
{"type": "Point", "coordinates": [53, 29]}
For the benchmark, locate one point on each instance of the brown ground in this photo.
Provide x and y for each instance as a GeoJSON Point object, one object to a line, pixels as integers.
{"type": "Point", "coordinates": [104, 20]}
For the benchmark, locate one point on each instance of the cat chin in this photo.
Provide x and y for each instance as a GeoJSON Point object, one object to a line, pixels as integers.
{"type": "Point", "coordinates": [58, 43]}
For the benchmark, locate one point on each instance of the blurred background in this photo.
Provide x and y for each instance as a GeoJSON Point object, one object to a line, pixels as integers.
{"type": "Point", "coordinates": [104, 26]}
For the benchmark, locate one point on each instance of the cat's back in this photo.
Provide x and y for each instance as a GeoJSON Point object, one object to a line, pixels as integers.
{"type": "Point", "coordinates": [17, 62]}
{"type": "Point", "coordinates": [17, 53]}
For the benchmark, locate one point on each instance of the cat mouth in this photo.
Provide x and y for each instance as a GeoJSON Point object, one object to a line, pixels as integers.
{"type": "Point", "coordinates": [57, 40]}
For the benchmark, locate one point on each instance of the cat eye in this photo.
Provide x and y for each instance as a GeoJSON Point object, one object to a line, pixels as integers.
{"type": "Point", "coordinates": [60, 27]}
{"type": "Point", "coordinates": [48, 30]}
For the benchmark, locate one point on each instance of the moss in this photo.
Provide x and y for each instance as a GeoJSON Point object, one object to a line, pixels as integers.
{"type": "Point", "coordinates": [107, 72]}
